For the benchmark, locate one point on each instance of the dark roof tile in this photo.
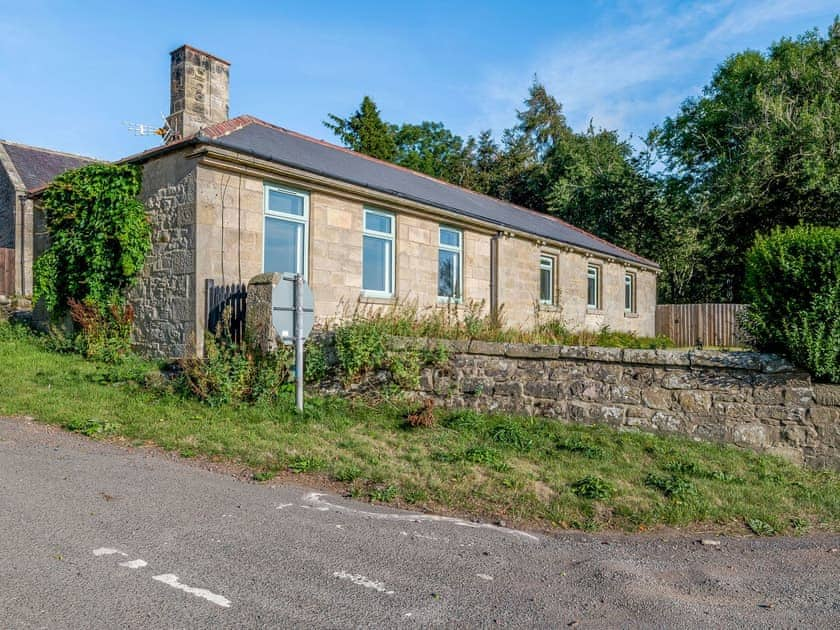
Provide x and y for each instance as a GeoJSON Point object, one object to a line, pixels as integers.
{"type": "Point", "coordinates": [38, 167]}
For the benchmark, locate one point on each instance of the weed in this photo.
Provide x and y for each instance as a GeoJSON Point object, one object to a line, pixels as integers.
{"type": "Point", "coordinates": [464, 420]}
{"type": "Point", "coordinates": [347, 474]}
{"type": "Point", "coordinates": [423, 417]}
{"type": "Point", "coordinates": [593, 487]}
{"type": "Point", "coordinates": [305, 464]}
{"type": "Point", "coordinates": [575, 445]}
{"type": "Point", "coordinates": [383, 494]}
{"type": "Point", "coordinates": [92, 427]}
{"type": "Point", "coordinates": [761, 528]}
{"type": "Point", "coordinates": [672, 486]}
{"type": "Point", "coordinates": [265, 475]}
{"type": "Point", "coordinates": [511, 434]}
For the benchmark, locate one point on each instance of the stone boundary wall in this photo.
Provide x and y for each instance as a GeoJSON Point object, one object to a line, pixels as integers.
{"type": "Point", "coordinates": [753, 400]}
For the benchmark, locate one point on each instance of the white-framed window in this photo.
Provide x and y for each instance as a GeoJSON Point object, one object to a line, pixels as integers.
{"type": "Point", "coordinates": [450, 270]}
{"type": "Point", "coordinates": [286, 225]}
{"type": "Point", "coordinates": [546, 279]}
{"type": "Point", "coordinates": [593, 286]}
{"type": "Point", "coordinates": [629, 292]}
{"type": "Point", "coordinates": [378, 253]}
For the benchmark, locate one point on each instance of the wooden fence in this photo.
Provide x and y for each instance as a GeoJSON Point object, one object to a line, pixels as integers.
{"type": "Point", "coordinates": [226, 306]}
{"type": "Point", "coordinates": [7, 271]}
{"type": "Point", "coordinates": [710, 325]}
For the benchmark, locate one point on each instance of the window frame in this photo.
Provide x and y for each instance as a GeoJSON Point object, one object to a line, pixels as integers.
{"type": "Point", "coordinates": [303, 239]}
{"type": "Point", "coordinates": [459, 297]}
{"type": "Point", "coordinates": [633, 307]}
{"type": "Point", "coordinates": [551, 267]}
{"type": "Point", "coordinates": [390, 270]}
{"type": "Point", "coordinates": [594, 270]}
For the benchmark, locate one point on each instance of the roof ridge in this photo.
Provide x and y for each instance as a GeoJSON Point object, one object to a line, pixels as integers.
{"type": "Point", "coordinates": [49, 150]}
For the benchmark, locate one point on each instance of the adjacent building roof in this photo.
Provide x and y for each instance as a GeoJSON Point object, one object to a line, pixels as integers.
{"type": "Point", "coordinates": [37, 166]}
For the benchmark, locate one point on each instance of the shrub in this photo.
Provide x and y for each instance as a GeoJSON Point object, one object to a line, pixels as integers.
{"type": "Point", "coordinates": [593, 487]}
{"type": "Point", "coordinates": [793, 290]}
{"type": "Point", "coordinates": [232, 373]}
{"type": "Point", "coordinates": [104, 333]}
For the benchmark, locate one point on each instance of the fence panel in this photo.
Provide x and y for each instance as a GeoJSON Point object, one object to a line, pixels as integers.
{"type": "Point", "coordinates": [7, 271]}
{"type": "Point", "coordinates": [226, 305]}
{"type": "Point", "coordinates": [711, 325]}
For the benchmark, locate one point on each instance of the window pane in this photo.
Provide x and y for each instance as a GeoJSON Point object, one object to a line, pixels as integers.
{"type": "Point", "coordinates": [545, 285]}
{"type": "Point", "coordinates": [592, 287]}
{"type": "Point", "coordinates": [452, 238]}
{"type": "Point", "coordinates": [377, 222]}
{"type": "Point", "coordinates": [376, 263]}
{"type": "Point", "coordinates": [628, 292]}
{"type": "Point", "coordinates": [283, 240]}
{"type": "Point", "coordinates": [449, 274]}
{"type": "Point", "coordinates": [279, 201]}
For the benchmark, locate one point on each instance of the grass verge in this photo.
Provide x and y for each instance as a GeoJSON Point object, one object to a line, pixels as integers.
{"type": "Point", "coordinates": [526, 471]}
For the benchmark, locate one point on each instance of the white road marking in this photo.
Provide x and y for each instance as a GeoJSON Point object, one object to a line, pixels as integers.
{"type": "Point", "coordinates": [317, 503]}
{"type": "Point", "coordinates": [283, 506]}
{"type": "Point", "coordinates": [361, 580]}
{"type": "Point", "coordinates": [484, 576]}
{"type": "Point", "coordinates": [134, 564]}
{"type": "Point", "coordinates": [172, 580]}
{"type": "Point", "coordinates": [107, 551]}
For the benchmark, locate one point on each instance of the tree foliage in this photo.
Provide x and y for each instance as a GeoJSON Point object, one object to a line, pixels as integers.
{"type": "Point", "coordinates": [760, 148]}
{"type": "Point", "coordinates": [99, 237]}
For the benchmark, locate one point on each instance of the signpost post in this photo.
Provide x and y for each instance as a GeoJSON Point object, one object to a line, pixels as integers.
{"type": "Point", "coordinates": [293, 311]}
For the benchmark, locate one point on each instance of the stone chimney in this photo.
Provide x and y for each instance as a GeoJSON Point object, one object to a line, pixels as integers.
{"type": "Point", "coordinates": [199, 91]}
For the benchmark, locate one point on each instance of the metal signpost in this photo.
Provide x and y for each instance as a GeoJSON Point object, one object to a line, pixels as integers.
{"type": "Point", "coordinates": [293, 311]}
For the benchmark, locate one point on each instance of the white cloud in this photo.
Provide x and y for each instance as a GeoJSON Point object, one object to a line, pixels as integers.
{"type": "Point", "coordinates": [643, 60]}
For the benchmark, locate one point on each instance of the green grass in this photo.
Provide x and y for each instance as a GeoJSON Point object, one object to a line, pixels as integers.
{"type": "Point", "coordinates": [527, 471]}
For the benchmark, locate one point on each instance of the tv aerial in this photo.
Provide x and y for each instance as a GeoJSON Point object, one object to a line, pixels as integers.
{"type": "Point", "coordinates": [166, 132]}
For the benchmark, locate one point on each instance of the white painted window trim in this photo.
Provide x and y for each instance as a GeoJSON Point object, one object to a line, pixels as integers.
{"type": "Point", "coordinates": [385, 236]}
{"type": "Point", "coordinates": [594, 270]}
{"type": "Point", "coordinates": [631, 277]}
{"type": "Point", "coordinates": [548, 263]}
{"type": "Point", "coordinates": [303, 235]}
{"type": "Point", "coordinates": [458, 250]}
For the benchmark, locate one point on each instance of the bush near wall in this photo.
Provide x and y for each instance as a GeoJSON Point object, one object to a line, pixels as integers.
{"type": "Point", "coordinates": [793, 287]}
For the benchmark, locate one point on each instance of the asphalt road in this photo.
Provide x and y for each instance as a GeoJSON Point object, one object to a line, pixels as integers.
{"type": "Point", "coordinates": [94, 535]}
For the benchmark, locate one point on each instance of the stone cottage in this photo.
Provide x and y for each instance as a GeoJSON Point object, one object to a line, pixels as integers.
{"type": "Point", "coordinates": [231, 198]}
{"type": "Point", "coordinates": [22, 170]}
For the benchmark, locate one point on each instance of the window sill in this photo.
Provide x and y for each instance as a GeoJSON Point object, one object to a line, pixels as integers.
{"type": "Point", "coordinates": [550, 308]}
{"type": "Point", "coordinates": [594, 311]}
{"type": "Point", "coordinates": [631, 315]}
{"type": "Point", "coordinates": [376, 299]}
{"type": "Point", "coordinates": [444, 301]}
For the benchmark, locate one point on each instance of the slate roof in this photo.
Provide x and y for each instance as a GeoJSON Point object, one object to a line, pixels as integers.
{"type": "Point", "coordinates": [37, 166]}
{"type": "Point", "coordinates": [252, 136]}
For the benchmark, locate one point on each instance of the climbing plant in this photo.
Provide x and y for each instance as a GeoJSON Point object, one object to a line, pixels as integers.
{"type": "Point", "coordinates": [99, 236]}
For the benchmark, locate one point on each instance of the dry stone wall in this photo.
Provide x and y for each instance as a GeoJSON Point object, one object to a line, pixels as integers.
{"type": "Point", "coordinates": [749, 399]}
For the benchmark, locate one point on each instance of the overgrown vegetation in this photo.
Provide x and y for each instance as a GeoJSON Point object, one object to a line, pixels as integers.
{"type": "Point", "coordinates": [793, 286]}
{"type": "Point", "coordinates": [527, 471]}
{"type": "Point", "coordinates": [99, 237]}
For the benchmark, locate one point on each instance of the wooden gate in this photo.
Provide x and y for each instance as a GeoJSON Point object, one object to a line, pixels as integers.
{"type": "Point", "coordinates": [7, 271]}
{"type": "Point", "coordinates": [710, 325]}
{"type": "Point", "coordinates": [226, 308]}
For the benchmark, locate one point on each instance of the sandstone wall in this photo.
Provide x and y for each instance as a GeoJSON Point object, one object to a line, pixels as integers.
{"type": "Point", "coordinates": [164, 297]}
{"type": "Point", "coordinates": [752, 400]}
{"type": "Point", "coordinates": [230, 215]}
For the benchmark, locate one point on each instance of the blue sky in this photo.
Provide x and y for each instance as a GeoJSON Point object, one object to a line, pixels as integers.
{"type": "Point", "coordinates": [72, 72]}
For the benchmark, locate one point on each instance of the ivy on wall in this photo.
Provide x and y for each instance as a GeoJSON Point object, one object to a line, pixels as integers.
{"type": "Point", "coordinates": [99, 237]}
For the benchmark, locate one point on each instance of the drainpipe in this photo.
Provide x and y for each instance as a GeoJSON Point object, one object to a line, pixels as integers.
{"type": "Point", "coordinates": [494, 276]}
{"type": "Point", "coordinates": [20, 238]}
